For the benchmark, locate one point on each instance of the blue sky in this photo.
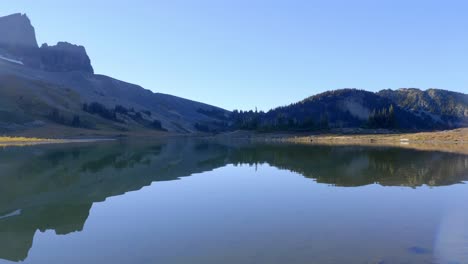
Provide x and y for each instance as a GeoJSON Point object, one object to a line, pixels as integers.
{"type": "Point", "coordinates": [242, 54]}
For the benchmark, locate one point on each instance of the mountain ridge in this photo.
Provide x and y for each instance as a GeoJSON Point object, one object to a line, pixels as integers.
{"type": "Point", "coordinates": [55, 86]}
{"type": "Point", "coordinates": [351, 107]}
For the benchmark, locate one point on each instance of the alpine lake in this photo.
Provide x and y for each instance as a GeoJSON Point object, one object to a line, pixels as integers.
{"type": "Point", "coordinates": [200, 201]}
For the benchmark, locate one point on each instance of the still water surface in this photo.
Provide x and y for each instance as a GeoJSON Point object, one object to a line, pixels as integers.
{"type": "Point", "coordinates": [186, 201]}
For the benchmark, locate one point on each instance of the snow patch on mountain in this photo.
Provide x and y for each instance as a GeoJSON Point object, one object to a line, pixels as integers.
{"type": "Point", "coordinates": [11, 60]}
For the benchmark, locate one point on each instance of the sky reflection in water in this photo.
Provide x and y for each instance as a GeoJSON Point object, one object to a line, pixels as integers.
{"type": "Point", "coordinates": [243, 203]}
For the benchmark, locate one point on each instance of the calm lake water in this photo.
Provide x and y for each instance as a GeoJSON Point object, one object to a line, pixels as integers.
{"type": "Point", "coordinates": [187, 201]}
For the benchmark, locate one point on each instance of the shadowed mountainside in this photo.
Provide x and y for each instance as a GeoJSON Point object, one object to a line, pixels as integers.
{"type": "Point", "coordinates": [53, 85]}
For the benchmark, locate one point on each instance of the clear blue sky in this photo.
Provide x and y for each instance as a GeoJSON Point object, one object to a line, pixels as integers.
{"type": "Point", "coordinates": [245, 53]}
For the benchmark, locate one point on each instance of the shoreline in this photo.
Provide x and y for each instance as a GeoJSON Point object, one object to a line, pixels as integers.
{"type": "Point", "coordinates": [447, 141]}
{"type": "Point", "coordinates": [454, 141]}
{"type": "Point", "coordinates": [460, 148]}
{"type": "Point", "coordinates": [30, 141]}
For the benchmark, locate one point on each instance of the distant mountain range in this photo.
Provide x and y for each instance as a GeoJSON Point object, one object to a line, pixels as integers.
{"type": "Point", "coordinates": [48, 90]}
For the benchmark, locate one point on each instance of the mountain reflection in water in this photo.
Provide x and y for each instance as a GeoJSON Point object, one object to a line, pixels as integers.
{"type": "Point", "coordinates": [53, 187]}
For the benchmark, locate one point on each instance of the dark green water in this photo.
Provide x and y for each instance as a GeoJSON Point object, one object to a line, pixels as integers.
{"type": "Point", "coordinates": [198, 202]}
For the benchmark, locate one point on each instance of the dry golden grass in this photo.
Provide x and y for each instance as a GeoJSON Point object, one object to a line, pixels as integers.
{"type": "Point", "coordinates": [27, 141]}
{"type": "Point", "coordinates": [52, 133]}
{"type": "Point", "coordinates": [449, 136]}
{"type": "Point", "coordinates": [24, 141]}
{"type": "Point", "coordinates": [21, 139]}
{"type": "Point", "coordinates": [449, 141]}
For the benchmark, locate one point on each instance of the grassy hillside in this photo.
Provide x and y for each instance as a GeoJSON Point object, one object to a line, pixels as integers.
{"type": "Point", "coordinates": [27, 104]}
{"type": "Point", "coordinates": [31, 98]}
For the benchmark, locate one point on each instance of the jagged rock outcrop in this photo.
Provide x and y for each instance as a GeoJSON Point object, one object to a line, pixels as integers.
{"type": "Point", "coordinates": [18, 43]}
{"type": "Point", "coordinates": [18, 40]}
{"type": "Point", "coordinates": [16, 30]}
{"type": "Point", "coordinates": [65, 57]}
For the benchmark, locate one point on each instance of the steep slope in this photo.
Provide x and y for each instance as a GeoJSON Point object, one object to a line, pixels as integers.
{"type": "Point", "coordinates": [54, 85]}
{"type": "Point", "coordinates": [175, 114]}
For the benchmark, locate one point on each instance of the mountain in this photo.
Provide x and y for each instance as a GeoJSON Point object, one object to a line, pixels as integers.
{"type": "Point", "coordinates": [18, 45]}
{"type": "Point", "coordinates": [16, 31]}
{"type": "Point", "coordinates": [65, 57]}
{"type": "Point", "coordinates": [444, 106]}
{"type": "Point", "coordinates": [53, 89]}
{"type": "Point", "coordinates": [351, 108]}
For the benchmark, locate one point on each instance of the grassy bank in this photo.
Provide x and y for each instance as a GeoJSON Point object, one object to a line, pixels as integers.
{"type": "Point", "coordinates": [457, 136]}
{"type": "Point", "coordinates": [448, 141]}
{"type": "Point", "coordinates": [27, 141]}
{"type": "Point", "coordinates": [21, 141]}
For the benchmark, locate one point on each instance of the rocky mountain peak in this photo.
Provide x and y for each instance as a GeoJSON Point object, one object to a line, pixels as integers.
{"type": "Point", "coordinates": [65, 57]}
{"type": "Point", "coordinates": [16, 30]}
{"type": "Point", "coordinates": [18, 43]}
